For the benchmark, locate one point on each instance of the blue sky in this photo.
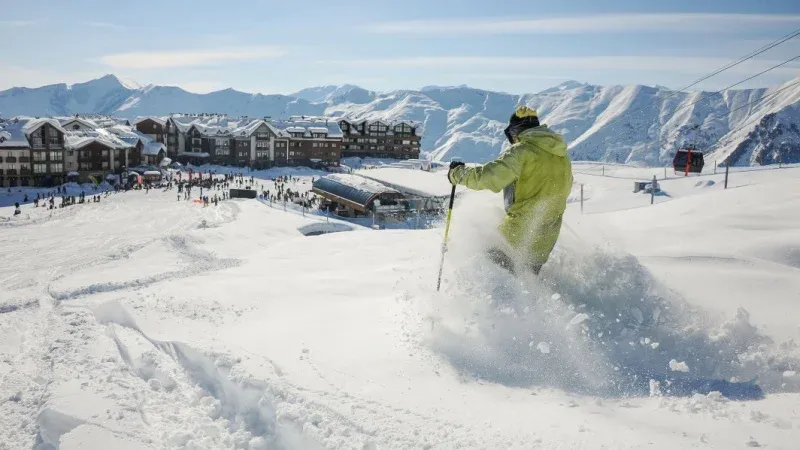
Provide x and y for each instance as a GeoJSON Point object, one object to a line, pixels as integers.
{"type": "Point", "coordinates": [518, 46]}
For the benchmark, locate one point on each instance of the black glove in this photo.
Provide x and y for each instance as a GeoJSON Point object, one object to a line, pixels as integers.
{"type": "Point", "coordinates": [453, 165]}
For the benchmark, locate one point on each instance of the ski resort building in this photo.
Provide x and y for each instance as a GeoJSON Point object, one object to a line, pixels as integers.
{"type": "Point", "coordinates": [153, 127]}
{"type": "Point", "coordinates": [32, 152]}
{"type": "Point", "coordinates": [352, 195]}
{"type": "Point", "coordinates": [380, 138]}
{"type": "Point", "coordinates": [258, 143]}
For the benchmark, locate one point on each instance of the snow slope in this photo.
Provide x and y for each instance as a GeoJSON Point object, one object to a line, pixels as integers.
{"type": "Point", "coordinates": [624, 124]}
{"type": "Point", "coordinates": [146, 322]}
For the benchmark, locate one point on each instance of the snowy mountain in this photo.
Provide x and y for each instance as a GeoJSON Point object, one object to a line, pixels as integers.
{"type": "Point", "coordinates": [625, 124]}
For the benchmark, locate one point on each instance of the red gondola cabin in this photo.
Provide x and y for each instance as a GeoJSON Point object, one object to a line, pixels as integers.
{"type": "Point", "coordinates": [688, 160]}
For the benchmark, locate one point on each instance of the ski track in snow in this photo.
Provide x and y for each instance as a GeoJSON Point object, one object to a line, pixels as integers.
{"type": "Point", "coordinates": [131, 327]}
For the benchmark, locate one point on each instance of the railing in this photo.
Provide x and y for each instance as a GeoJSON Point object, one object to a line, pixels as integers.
{"type": "Point", "coordinates": [11, 172]}
{"type": "Point", "coordinates": [11, 159]}
{"type": "Point", "coordinates": [24, 159]}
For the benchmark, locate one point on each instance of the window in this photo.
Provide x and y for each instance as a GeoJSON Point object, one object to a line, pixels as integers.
{"type": "Point", "coordinates": [40, 168]}
{"type": "Point", "coordinates": [57, 167]}
{"type": "Point", "coordinates": [314, 144]}
{"type": "Point", "coordinates": [221, 151]}
{"type": "Point", "coordinates": [71, 165]}
{"type": "Point", "coordinates": [222, 142]}
{"type": "Point", "coordinates": [280, 144]}
{"type": "Point", "coordinates": [105, 164]}
{"type": "Point", "coordinates": [37, 133]}
{"type": "Point", "coordinates": [262, 135]}
{"type": "Point", "coordinates": [105, 153]}
{"type": "Point", "coordinates": [85, 166]}
{"type": "Point", "coordinates": [406, 142]}
{"type": "Point", "coordinates": [262, 144]}
{"type": "Point", "coordinates": [243, 143]}
{"type": "Point", "coordinates": [243, 154]}
{"type": "Point", "coordinates": [39, 156]}
{"type": "Point", "coordinates": [37, 142]}
{"type": "Point", "coordinates": [333, 144]}
{"type": "Point", "coordinates": [70, 153]}
{"type": "Point", "coordinates": [195, 141]}
{"type": "Point", "coordinates": [76, 127]}
{"type": "Point", "coordinates": [332, 153]}
{"type": "Point", "coordinates": [55, 156]}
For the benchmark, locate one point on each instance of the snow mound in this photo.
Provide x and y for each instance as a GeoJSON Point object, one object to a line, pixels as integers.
{"type": "Point", "coordinates": [608, 327]}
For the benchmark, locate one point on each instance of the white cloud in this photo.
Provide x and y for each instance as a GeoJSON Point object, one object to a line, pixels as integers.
{"type": "Point", "coordinates": [107, 25]}
{"type": "Point", "coordinates": [601, 23]}
{"type": "Point", "coordinates": [189, 58]}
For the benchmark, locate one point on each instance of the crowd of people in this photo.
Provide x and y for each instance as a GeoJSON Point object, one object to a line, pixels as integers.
{"type": "Point", "coordinates": [211, 188]}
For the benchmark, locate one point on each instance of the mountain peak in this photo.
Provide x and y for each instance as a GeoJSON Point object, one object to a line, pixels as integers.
{"type": "Point", "coordinates": [434, 87]}
{"type": "Point", "coordinates": [565, 86]}
{"type": "Point", "coordinates": [112, 80]}
{"type": "Point", "coordinates": [322, 94]}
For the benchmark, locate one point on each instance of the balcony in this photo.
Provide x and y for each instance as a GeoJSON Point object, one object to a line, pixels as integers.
{"type": "Point", "coordinates": [11, 159]}
{"type": "Point", "coordinates": [24, 159]}
{"type": "Point", "coordinates": [25, 171]}
{"type": "Point", "coordinates": [11, 172]}
{"type": "Point", "coordinates": [55, 145]}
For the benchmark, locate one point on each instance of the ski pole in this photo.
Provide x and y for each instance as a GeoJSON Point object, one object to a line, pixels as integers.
{"type": "Point", "coordinates": [446, 232]}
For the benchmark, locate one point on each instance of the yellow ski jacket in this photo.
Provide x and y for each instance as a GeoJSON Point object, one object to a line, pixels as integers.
{"type": "Point", "coordinates": [535, 175]}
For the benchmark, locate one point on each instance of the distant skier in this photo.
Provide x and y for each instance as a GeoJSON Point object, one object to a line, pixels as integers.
{"type": "Point", "coordinates": [535, 175]}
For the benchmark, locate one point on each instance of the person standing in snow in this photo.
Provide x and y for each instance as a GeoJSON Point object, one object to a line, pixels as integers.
{"type": "Point", "coordinates": [535, 175]}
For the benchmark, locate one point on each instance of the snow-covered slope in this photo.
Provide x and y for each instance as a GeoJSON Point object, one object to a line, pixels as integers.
{"type": "Point", "coordinates": [171, 325]}
{"type": "Point", "coordinates": [630, 124]}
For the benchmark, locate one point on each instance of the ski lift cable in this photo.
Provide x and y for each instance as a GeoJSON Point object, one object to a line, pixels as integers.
{"type": "Point", "coordinates": [762, 99]}
{"type": "Point", "coordinates": [748, 56]}
{"type": "Point", "coordinates": [703, 96]}
{"type": "Point", "coordinates": [761, 50]}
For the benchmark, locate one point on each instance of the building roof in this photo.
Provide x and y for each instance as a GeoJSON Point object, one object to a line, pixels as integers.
{"type": "Point", "coordinates": [308, 125]}
{"type": "Point", "coordinates": [159, 120]}
{"type": "Point", "coordinates": [16, 131]}
{"type": "Point", "coordinates": [11, 134]}
{"type": "Point", "coordinates": [354, 188]}
{"type": "Point", "coordinates": [153, 148]}
{"type": "Point", "coordinates": [65, 121]}
{"type": "Point", "coordinates": [387, 122]}
{"type": "Point", "coordinates": [213, 125]}
{"type": "Point", "coordinates": [33, 124]}
{"type": "Point", "coordinates": [75, 139]}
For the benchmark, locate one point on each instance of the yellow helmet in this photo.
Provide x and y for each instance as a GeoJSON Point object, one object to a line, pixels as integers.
{"type": "Point", "coordinates": [523, 111]}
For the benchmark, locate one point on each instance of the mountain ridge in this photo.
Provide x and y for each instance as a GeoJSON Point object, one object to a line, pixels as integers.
{"type": "Point", "coordinates": [619, 123]}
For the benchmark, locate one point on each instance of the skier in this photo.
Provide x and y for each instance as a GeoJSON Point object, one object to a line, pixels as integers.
{"type": "Point", "coordinates": [535, 175]}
